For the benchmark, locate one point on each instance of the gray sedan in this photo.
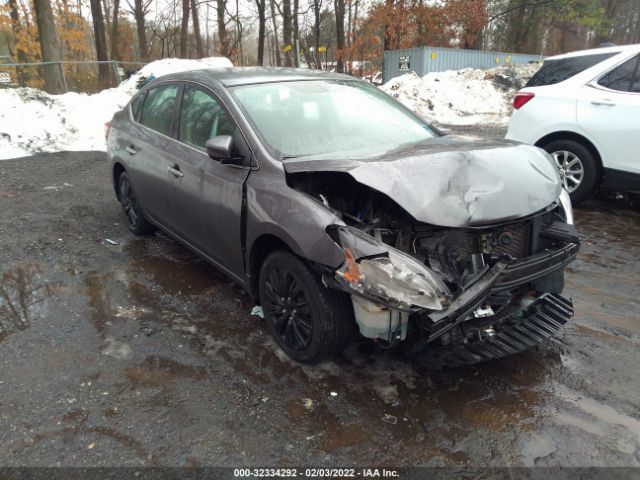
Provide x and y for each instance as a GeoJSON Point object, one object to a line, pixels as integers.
{"type": "Point", "coordinates": [343, 213]}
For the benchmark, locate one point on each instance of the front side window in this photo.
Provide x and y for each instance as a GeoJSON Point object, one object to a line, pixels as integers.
{"type": "Point", "coordinates": [202, 118]}
{"type": "Point", "coordinates": [159, 107]}
{"type": "Point", "coordinates": [622, 78]}
{"type": "Point", "coordinates": [335, 118]}
{"type": "Point", "coordinates": [556, 71]}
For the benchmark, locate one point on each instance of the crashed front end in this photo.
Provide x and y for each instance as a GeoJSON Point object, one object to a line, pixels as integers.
{"type": "Point", "coordinates": [466, 294]}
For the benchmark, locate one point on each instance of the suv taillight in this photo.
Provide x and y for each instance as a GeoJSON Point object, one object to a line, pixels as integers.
{"type": "Point", "coordinates": [107, 127]}
{"type": "Point", "coordinates": [521, 98]}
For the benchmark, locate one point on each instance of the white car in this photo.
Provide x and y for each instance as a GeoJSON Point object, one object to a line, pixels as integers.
{"type": "Point", "coordinates": [584, 109]}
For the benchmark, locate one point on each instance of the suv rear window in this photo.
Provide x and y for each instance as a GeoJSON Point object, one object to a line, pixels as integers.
{"type": "Point", "coordinates": [556, 71]}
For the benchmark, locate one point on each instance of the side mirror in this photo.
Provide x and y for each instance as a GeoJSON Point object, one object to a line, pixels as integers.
{"type": "Point", "coordinates": [219, 148]}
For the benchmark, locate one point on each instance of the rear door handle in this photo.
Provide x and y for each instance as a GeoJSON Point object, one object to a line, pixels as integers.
{"type": "Point", "coordinates": [131, 149]}
{"type": "Point", "coordinates": [603, 103]}
{"type": "Point", "coordinates": [175, 171]}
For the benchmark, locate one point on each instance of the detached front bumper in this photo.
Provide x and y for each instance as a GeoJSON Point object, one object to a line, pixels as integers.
{"type": "Point", "coordinates": [536, 323]}
{"type": "Point", "coordinates": [502, 277]}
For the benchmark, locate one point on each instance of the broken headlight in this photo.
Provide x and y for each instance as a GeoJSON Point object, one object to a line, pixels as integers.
{"type": "Point", "coordinates": [565, 206]}
{"type": "Point", "coordinates": [386, 275]}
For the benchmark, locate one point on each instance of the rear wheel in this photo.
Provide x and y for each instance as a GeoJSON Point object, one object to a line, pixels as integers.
{"type": "Point", "coordinates": [136, 221]}
{"type": "Point", "coordinates": [307, 320]}
{"type": "Point", "coordinates": [579, 170]}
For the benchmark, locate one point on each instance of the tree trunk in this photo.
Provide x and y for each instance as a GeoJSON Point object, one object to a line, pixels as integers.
{"type": "Point", "coordinates": [222, 28]}
{"type": "Point", "coordinates": [317, 6]}
{"type": "Point", "coordinates": [262, 24]}
{"type": "Point", "coordinates": [388, 25]}
{"type": "Point", "coordinates": [296, 34]}
{"type": "Point", "coordinates": [100, 41]}
{"type": "Point", "coordinates": [196, 29]}
{"type": "Point", "coordinates": [339, 11]}
{"type": "Point", "coordinates": [272, 4]}
{"type": "Point", "coordinates": [21, 55]}
{"type": "Point", "coordinates": [114, 30]}
{"type": "Point", "coordinates": [139, 13]}
{"type": "Point", "coordinates": [184, 27]}
{"type": "Point", "coordinates": [287, 47]}
{"type": "Point", "coordinates": [53, 80]}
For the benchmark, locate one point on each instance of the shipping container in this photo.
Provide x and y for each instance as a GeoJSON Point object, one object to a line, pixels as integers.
{"type": "Point", "coordinates": [423, 60]}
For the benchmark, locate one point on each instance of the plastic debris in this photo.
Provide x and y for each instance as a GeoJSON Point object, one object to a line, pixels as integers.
{"type": "Point", "coordinates": [334, 394]}
{"type": "Point", "coordinates": [257, 311]}
{"type": "Point", "coordinates": [392, 419]}
{"type": "Point", "coordinates": [110, 242]}
{"type": "Point", "coordinates": [308, 403]}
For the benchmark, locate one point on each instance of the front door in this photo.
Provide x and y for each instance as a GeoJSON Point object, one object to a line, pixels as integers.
{"type": "Point", "coordinates": [208, 195]}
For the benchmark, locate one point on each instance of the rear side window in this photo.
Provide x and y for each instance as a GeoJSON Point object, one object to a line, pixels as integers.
{"type": "Point", "coordinates": [202, 118]}
{"type": "Point", "coordinates": [556, 71]}
{"type": "Point", "coordinates": [623, 78]}
{"type": "Point", "coordinates": [135, 106]}
{"type": "Point", "coordinates": [158, 108]}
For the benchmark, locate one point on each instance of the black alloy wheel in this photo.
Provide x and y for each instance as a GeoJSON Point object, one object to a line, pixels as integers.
{"type": "Point", "coordinates": [136, 221]}
{"type": "Point", "coordinates": [309, 322]}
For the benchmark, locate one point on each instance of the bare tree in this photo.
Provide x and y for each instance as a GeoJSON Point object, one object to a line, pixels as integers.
{"type": "Point", "coordinates": [186, 4]}
{"type": "Point", "coordinates": [20, 54]}
{"type": "Point", "coordinates": [100, 41]}
{"type": "Point", "coordinates": [49, 46]}
{"type": "Point", "coordinates": [114, 30]}
{"type": "Point", "coordinates": [276, 45]}
{"type": "Point", "coordinates": [262, 24]}
{"type": "Point", "coordinates": [139, 9]}
{"type": "Point", "coordinates": [340, 43]}
{"type": "Point", "coordinates": [196, 29]}
{"type": "Point", "coordinates": [223, 39]}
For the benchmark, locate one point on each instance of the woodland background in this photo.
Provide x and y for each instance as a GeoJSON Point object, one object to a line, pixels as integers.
{"type": "Point", "coordinates": [336, 34]}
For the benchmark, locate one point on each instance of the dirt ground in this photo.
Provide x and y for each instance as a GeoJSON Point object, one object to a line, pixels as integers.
{"type": "Point", "coordinates": [139, 353]}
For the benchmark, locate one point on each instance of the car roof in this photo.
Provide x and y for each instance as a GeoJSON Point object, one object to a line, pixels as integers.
{"type": "Point", "coordinates": [593, 51]}
{"type": "Point", "coordinates": [234, 76]}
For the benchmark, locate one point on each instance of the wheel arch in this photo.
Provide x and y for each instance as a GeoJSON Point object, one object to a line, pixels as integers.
{"type": "Point", "coordinates": [576, 137]}
{"type": "Point", "coordinates": [261, 247]}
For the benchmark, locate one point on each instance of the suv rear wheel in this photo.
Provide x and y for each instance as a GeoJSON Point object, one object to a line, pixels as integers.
{"type": "Point", "coordinates": [579, 171]}
{"type": "Point", "coordinates": [309, 321]}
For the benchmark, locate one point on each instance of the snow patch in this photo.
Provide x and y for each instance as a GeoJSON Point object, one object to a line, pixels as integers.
{"type": "Point", "coordinates": [32, 121]}
{"type": "Point", "coordinates": [462, 97]}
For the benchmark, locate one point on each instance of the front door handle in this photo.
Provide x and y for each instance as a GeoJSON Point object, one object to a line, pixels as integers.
{"type": "Point", "coordinates": [131, 149]}
{"type": "Point", "coordinates": [175, 171]}
{"type": "Point", "coordinates": [604, 103]}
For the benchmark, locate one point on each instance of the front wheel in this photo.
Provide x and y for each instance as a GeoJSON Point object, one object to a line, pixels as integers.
{"type": "Point", "coordinates": [579, 170]}
{"type": "Point", "coordinates": [307, 320]}
{"type": "Point", "coordinates": [136, 221]}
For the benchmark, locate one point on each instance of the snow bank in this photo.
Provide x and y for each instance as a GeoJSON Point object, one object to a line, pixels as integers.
{"type": "Point", "coordinates": [462, 97]}
{"type": "Point", "coordinates": [32, 121]}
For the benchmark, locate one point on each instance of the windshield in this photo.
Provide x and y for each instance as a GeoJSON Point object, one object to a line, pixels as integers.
{"type": "Point", "coordinates": [321, 117]}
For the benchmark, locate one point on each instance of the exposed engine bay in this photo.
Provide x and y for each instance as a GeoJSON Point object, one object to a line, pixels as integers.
{"type": "Point", "coordinates": [443, 286]}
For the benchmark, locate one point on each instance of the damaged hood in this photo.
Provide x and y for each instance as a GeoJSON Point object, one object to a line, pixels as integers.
{"type": "Point", "coordinates": [452, 181]}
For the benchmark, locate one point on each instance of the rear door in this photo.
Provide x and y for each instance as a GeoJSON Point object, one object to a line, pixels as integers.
{"type": "Point", "coordinates": [208, 195]}
{"type": "Point", "coordinates": [148, 161]}
{"type": "Point", "coordinates": [609, 110]}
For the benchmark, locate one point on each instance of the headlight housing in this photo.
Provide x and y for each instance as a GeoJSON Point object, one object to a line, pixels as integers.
{"type": "Point", "coordinates": [565, 205]}
{"type": "Point", "coordinates": [386, 275]}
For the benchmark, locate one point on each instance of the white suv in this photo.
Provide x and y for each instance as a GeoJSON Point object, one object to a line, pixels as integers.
{"type": "Point", "coordinates": [584, 109]}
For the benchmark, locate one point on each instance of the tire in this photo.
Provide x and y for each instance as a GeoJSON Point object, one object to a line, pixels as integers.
{"type": "Point", "coordinates": [566, 152]}
{"type": "Point", "coordinates": [308, 321]}
{"type": "Point", "coordinates": [136, 220]}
